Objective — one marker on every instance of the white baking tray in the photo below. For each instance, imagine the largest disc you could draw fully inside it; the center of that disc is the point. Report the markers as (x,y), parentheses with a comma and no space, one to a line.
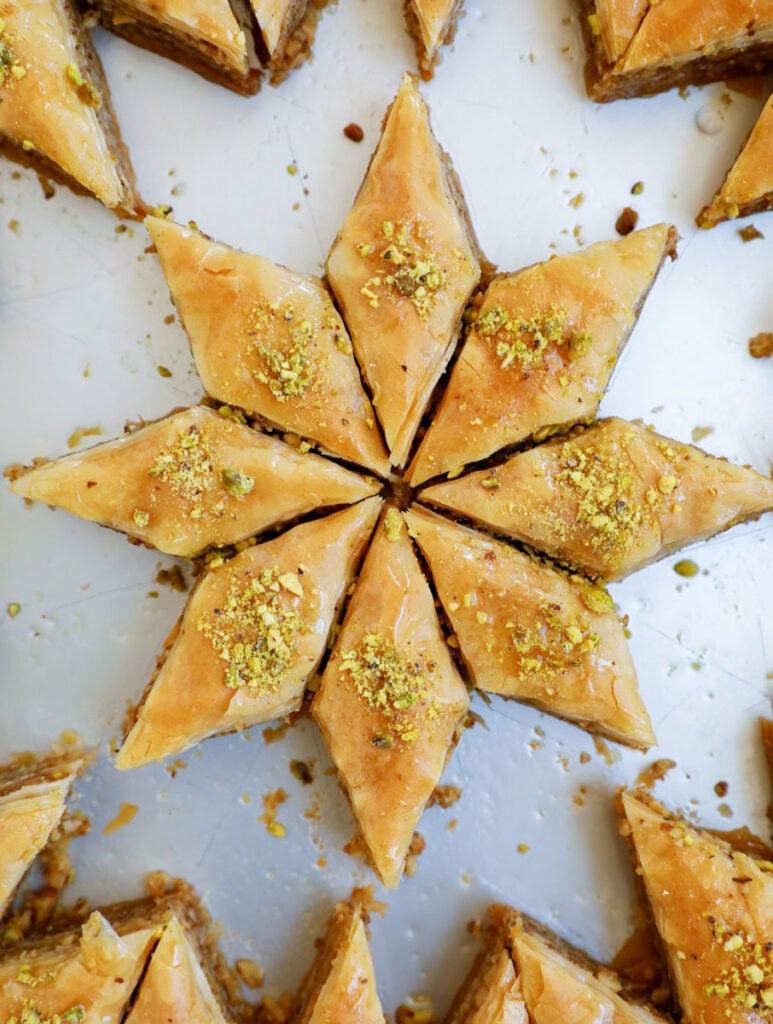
(82,332)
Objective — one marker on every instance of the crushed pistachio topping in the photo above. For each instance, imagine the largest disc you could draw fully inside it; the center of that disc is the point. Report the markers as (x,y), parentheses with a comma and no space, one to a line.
(523,340)
(237,484)
(11,70)
(256,629)
(596,599)
(187,466)
(603,483)
(287,346)
(141,518)
(408,269)
(392,684)
(86,92)
(30,1014)
(747,983)
(393,524)
(550,644)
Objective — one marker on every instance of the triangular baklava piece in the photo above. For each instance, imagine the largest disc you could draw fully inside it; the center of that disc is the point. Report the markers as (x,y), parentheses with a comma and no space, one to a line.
(287,30)
(78,974)
(179,985)
(252,633)
(33,792)
(204,35)
(270,341)
(637,48)
(390,701)
(541,350)
(403,268)
(340,988)
(433,24)
(491,992)
(526,975)
(194,480)
(609,499)
(712,906)
(748,187)
(55,110)
(528,631)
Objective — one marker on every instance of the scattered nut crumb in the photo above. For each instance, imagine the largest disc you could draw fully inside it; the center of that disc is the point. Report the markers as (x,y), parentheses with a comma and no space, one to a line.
(354,132)
(126,815)
(446,796)
(77,435)
(749,233)
(698,433)
(47,185)
(164,371)
(301,770)
(656,772)
(637,188)
(686,567)
(610,756)
(523,847)
(761,346)
(250,973)
(171,577)
(13,609)
(271,803)
(721,789)
(725,810)
(627,221)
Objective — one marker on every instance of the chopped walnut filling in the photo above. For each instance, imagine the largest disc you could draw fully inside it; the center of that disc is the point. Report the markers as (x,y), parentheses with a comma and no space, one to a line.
(408,269)
(748,982)
(391,684)
(523,340)
(256,630)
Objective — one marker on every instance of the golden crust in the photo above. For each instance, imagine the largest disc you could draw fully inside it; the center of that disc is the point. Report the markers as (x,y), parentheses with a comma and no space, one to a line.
(191,481)
(241,313)
(340,987)
(390,701)
(403,268)
(542,349)
(55,111)
(610,499)
(433,24)
(532,633)
(189,698)
(748,186)
(712,906)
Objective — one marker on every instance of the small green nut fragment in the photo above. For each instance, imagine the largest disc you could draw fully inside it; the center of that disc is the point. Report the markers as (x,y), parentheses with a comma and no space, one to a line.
(383,740)
(597,599)
(163,371)
(686,567)
(141,518)
(393,525)
(74,1015)
(237,484)
(74,75)
(13,609)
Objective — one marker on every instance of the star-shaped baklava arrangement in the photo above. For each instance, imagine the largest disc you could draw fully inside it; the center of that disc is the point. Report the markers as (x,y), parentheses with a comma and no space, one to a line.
(432,605)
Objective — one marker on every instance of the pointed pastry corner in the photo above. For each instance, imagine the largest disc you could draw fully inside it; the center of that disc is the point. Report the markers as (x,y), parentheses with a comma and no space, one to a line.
(390,701)
(252,633)
(432,23)
(341,984)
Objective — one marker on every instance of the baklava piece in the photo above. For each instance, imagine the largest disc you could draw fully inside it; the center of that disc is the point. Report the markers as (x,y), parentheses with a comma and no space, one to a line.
(403,268)
(641,47)
(432,23)
(609,499)
(526,974)
(252,633)
(194,480)
(269,341)
(55,109)
(204,35)
(153,958)
(390,702)
(287,30)
(33,795)
(340,988)
(527,631)
(748,187)
(541,350)
(712,906)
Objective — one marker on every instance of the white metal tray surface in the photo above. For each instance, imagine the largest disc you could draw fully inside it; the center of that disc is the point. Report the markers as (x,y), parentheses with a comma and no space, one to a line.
(83,332)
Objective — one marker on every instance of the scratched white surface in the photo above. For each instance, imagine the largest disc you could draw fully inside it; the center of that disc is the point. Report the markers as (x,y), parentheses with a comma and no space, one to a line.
(508,104)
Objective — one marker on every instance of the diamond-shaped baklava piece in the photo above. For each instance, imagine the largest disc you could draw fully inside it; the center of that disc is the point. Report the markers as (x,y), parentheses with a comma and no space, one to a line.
(403,268)
(528,631)
(340,988)
(433,24)
(390,701)
(194,480)
(637,48)
(609,499)
(712,906)
(270,341)
(81,974)
(55,110)
(545,982)
(252,633)
(541,349)
(748,187)
(204,35)
(33,792)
